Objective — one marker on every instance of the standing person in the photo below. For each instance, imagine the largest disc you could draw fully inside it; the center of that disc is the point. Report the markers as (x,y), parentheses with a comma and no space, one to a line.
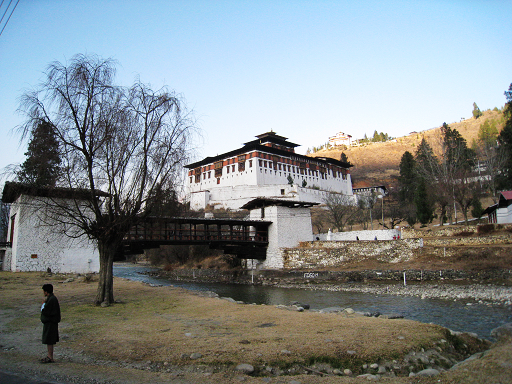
(50,317)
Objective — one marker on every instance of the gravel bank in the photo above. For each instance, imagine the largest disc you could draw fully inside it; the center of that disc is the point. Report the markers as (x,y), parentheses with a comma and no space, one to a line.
(478,293)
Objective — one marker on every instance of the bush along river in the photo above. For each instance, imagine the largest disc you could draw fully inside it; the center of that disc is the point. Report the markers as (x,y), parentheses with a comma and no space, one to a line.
(475,308)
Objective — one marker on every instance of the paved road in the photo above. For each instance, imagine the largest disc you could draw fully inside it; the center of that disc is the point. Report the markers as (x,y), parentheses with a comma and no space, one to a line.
(10,378)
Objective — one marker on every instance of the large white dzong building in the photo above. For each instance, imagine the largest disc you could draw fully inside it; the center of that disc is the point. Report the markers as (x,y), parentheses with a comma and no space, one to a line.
(267,167)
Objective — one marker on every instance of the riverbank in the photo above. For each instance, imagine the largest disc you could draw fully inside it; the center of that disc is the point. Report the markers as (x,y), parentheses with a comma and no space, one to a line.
(494,287)
(165,334)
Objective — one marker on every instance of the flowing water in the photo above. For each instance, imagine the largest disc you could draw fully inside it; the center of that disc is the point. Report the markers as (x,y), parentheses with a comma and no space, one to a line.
(455,315)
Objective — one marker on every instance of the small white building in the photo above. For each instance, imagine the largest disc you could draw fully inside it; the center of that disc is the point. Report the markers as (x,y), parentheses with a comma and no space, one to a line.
(501,212)
(267,167)
(37,244)
(340,139)
(291,224)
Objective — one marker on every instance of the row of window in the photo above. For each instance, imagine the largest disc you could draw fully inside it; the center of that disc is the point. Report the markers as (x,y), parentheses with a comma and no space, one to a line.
(271,161)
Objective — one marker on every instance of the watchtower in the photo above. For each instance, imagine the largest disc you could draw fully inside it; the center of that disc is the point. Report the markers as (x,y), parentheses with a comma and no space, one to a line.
(291,224)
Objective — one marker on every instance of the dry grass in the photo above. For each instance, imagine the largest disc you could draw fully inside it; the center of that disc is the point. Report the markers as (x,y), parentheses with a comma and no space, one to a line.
(162,324)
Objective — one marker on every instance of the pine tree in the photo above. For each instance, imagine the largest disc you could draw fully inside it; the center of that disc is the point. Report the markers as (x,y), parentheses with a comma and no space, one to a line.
(344,158)
(505,141)
(424,207)
(42,165)
(407,178)
(476,111)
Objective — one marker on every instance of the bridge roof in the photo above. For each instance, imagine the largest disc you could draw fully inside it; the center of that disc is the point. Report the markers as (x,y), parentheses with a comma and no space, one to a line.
(261,202)
(195,220)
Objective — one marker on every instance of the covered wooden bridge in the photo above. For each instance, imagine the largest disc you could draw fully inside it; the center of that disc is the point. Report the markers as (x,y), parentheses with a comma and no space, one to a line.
(244,238)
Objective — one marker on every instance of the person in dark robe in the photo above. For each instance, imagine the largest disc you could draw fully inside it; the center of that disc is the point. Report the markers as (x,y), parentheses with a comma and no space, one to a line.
(50,317)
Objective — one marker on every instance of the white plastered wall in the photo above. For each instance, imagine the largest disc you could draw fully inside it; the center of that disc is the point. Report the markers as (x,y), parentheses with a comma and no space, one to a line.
(37,247)
(289,227)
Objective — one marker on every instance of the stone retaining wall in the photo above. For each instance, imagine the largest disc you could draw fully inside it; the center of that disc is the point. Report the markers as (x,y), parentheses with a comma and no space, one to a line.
(273,277)
(324,254)
(467,241)
(449,231)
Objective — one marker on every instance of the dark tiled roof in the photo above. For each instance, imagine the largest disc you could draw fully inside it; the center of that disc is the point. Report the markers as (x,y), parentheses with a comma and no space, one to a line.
(261,202)
(13,190)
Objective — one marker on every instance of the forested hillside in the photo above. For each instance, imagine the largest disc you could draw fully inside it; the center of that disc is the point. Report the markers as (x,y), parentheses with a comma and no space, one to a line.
(378,163)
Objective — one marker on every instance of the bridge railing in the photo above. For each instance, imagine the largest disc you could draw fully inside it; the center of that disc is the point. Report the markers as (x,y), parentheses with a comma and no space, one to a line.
(201,231)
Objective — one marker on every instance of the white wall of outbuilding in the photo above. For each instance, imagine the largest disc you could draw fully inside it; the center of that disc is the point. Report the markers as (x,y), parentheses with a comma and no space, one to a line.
(37,245)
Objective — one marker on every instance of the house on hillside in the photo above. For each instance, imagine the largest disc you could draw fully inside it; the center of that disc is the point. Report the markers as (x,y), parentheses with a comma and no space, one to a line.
(36,242)
(267,167)
(340,139)
(501,212)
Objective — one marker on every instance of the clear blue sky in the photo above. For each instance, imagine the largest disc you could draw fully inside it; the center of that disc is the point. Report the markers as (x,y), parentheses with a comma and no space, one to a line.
(305,69)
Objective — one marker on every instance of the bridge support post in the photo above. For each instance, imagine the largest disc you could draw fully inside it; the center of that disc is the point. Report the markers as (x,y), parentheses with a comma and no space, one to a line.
(291,224)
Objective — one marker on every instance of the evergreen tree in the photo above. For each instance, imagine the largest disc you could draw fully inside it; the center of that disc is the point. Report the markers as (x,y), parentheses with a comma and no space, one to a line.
(4,220)
(426,162)
(477,210)
(505,141)
(42,165)
(476,111)
(344,158)
(457,154)
(487,133)
(424,206)
(407,178)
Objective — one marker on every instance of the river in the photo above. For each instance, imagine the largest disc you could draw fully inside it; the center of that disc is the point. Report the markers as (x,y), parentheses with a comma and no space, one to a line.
(455,315)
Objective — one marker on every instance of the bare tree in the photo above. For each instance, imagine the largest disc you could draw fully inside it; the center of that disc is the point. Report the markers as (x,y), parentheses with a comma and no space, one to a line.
(491,167)
(341,208)
(365,204)
(128,143)
(395,210)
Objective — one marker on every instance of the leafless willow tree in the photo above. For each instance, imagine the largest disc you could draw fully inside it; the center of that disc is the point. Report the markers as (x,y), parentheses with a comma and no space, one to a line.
(127,143)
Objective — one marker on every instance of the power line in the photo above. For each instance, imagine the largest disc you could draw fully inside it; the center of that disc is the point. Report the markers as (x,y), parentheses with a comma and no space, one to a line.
(9,18)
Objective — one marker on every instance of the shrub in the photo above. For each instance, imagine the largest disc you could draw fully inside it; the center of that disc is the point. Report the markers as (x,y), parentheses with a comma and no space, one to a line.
(485,228)
(463,234)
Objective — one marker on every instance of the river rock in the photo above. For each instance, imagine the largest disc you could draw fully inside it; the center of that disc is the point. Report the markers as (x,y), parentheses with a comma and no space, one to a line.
(231,300)
(428,372)
(392,316)
(503,332)
(331,310)
(245,368)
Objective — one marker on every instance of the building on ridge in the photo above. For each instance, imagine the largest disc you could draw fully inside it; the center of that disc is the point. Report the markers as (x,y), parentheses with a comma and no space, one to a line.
(266,167)
(340,139)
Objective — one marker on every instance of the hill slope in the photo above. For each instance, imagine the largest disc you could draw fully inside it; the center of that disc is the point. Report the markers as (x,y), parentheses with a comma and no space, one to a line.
(378,163)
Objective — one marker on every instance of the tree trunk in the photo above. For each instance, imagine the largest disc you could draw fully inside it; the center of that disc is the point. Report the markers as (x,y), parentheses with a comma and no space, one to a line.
(107,250)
